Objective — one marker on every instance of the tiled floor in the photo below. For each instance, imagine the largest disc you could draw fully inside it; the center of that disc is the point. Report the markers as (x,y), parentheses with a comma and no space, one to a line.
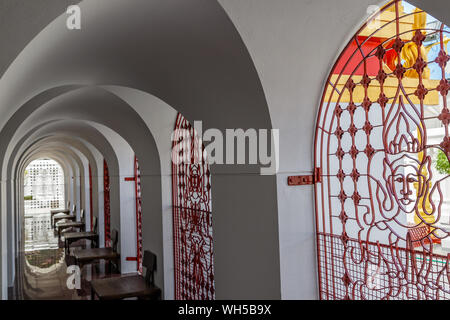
(42,269)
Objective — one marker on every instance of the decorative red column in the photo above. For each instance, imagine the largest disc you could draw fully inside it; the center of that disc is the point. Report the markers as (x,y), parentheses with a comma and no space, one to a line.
(107,206)
(90,197)
(139,247)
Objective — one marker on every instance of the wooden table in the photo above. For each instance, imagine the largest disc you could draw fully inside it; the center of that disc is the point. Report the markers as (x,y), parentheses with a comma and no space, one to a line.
(53,212)
(71,237)
(124,287)
(67,225)
(88,256)
(64,217)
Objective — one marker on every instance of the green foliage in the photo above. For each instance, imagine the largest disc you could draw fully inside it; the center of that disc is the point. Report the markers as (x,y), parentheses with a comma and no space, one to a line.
(28,198)
(442,165)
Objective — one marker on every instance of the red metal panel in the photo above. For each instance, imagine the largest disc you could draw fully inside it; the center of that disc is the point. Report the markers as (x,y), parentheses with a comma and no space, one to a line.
(131,258)
(377,173)
(107,205)
(349,62)
(138,198)
(139,244)
(419,235)
(306,179)
(90,196)
(192,216)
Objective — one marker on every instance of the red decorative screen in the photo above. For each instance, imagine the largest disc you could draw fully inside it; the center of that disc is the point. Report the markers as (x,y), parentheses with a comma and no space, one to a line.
(192,216)
(107,206)
(382,144)
(90,197)
(139,247)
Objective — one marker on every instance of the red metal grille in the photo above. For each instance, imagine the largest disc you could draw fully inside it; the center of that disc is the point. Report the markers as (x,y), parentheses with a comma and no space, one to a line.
(90,197)
(375,271)
(192,216)
(419,235)
(107,206)
(139,246)
(380,207)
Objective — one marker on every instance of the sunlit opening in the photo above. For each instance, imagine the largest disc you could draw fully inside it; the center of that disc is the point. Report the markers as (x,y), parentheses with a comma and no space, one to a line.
(43,191)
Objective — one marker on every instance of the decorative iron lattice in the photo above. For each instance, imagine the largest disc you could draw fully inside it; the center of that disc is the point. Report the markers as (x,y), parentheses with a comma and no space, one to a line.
(107,205)
(139,244)
(192,216)
(381,207)
(90,198)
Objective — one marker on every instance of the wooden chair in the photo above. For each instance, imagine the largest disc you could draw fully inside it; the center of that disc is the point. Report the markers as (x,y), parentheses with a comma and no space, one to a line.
(73,224)
(88,256)
(129,286)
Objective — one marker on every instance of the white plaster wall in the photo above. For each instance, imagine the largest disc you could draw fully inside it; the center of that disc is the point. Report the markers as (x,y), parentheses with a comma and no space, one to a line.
(127,232)
(160,118)
(97,194)
(83,183)
(3,243)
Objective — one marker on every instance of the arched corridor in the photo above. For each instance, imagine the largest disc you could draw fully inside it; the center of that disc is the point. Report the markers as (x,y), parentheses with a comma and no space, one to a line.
(222,149)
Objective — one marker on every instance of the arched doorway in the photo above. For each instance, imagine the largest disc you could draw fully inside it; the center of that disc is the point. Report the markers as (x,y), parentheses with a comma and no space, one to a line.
(43,190)
(382,147)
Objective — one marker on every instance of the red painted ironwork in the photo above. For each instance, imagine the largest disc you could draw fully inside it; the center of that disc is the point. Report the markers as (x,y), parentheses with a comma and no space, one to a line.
(81,193)
(90,197)
(300,180)
(306,179)
(139,241)
(131,258)
(107,205)
(192,216)
(419,235)
(138,197)
(377,172)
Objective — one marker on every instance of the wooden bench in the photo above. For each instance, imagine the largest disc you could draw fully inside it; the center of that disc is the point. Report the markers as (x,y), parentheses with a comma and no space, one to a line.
(129,286)
(87,256)
(71,237)
(73,224)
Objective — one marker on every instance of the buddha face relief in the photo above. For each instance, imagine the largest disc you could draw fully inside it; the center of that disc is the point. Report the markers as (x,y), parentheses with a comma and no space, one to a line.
(407,180)
(402,185)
